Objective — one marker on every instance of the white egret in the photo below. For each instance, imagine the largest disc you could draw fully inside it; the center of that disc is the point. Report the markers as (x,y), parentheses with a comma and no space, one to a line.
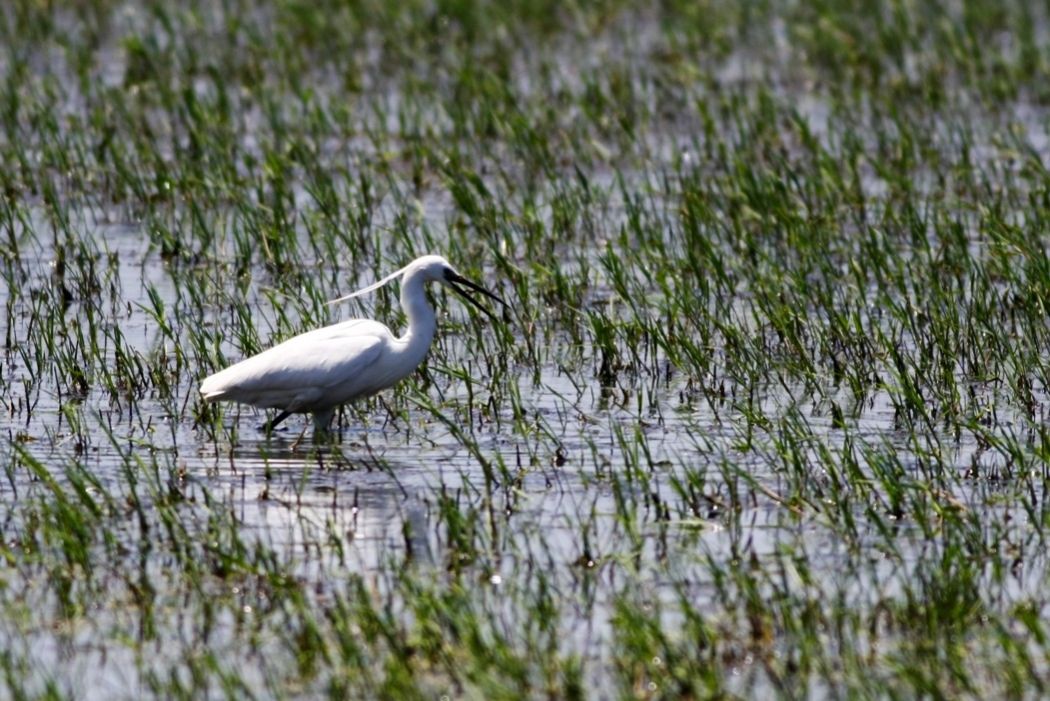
(320,370)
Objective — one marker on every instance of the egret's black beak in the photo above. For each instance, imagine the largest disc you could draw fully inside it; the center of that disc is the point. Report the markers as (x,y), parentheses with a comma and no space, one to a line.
(454,281)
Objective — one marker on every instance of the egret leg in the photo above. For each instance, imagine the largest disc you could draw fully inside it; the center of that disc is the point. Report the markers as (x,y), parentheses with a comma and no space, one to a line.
(298,440)
(322,419)
(269,426)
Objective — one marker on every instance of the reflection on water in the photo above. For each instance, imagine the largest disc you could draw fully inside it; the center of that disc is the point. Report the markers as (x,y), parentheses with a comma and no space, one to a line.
(298,498)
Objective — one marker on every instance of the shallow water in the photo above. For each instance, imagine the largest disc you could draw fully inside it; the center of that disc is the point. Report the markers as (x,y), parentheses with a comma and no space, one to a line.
(372,500)
(148,544)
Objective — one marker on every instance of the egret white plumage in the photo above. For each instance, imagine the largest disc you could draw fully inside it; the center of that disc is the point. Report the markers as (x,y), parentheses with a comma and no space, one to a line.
(320,370)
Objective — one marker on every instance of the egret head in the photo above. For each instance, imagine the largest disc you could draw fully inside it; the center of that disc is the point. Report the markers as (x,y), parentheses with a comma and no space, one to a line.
(434,269)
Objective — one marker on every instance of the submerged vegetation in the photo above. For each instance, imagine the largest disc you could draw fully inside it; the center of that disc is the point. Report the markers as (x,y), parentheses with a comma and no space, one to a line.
(767,414)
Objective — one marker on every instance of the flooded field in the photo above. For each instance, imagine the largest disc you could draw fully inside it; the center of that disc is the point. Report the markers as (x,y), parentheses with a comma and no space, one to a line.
(766,414)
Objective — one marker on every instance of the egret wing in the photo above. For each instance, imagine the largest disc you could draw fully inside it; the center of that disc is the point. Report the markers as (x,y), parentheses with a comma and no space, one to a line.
(296,373)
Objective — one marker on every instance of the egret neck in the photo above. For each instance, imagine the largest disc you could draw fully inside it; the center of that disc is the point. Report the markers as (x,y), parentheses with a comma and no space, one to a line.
(422,322)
